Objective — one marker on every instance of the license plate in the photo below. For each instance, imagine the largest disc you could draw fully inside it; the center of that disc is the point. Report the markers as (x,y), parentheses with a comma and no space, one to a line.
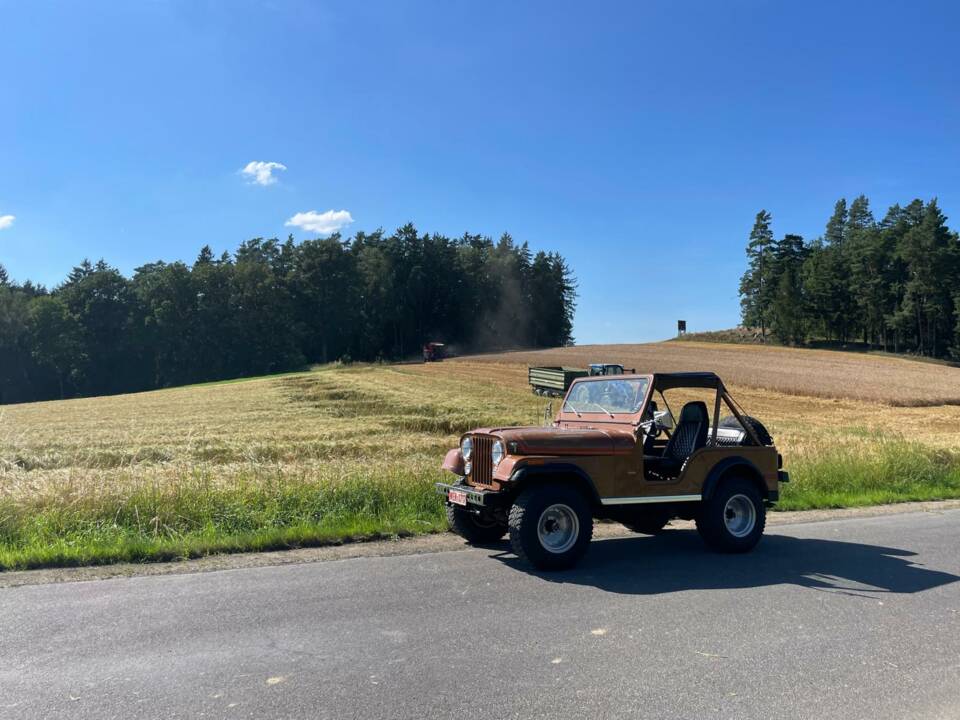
(457,497)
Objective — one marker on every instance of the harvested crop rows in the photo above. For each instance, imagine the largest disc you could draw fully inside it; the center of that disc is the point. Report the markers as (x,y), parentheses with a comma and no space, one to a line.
(814,373)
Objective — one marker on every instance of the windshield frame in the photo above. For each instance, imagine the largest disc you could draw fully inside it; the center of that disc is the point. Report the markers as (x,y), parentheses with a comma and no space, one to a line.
(567,414)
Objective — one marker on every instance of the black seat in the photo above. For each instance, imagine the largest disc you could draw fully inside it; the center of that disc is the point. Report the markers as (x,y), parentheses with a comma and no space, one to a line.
(689,436)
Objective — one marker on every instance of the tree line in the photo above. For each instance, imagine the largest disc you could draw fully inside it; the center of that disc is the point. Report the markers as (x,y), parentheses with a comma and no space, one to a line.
(273,306)
(892,284)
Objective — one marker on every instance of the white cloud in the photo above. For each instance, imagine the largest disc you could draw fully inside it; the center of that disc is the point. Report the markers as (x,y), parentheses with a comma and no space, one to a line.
(6,221)
(323,223)
(261,173)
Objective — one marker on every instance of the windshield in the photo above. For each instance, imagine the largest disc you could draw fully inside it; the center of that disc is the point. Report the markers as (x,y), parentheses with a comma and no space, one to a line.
(606,396)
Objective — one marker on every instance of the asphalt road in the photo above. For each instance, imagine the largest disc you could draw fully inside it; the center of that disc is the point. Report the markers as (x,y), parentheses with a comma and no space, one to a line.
(841,619)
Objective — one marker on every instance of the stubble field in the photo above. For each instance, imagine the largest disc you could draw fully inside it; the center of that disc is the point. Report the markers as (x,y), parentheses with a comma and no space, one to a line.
(894,381)
(351,452)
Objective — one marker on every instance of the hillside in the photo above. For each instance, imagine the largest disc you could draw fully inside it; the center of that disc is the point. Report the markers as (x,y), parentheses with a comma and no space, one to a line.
(813,373)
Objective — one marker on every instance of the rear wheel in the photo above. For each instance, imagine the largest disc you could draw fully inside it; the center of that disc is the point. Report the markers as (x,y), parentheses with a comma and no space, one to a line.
(475,529)
(550,526)
(730,421)
(732,520)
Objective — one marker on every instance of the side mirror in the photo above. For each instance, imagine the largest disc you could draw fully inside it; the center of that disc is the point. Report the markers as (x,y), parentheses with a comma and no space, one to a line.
(664,419)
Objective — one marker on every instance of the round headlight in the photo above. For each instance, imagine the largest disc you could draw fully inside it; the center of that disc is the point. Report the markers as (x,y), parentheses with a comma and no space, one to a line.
(497,453)
(466,448)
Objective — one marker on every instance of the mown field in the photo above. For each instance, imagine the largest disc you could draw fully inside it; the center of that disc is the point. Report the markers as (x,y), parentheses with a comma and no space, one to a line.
(351,452)
(814,373)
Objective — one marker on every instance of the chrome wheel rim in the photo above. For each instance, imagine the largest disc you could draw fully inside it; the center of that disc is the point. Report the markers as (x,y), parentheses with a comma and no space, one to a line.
(739,515)
(558,528)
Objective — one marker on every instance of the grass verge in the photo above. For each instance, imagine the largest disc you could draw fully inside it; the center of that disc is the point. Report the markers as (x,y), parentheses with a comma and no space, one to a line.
(195,517)
(874,473)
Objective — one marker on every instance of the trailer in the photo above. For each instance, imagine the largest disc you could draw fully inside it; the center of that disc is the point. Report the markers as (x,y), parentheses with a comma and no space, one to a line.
(553,381)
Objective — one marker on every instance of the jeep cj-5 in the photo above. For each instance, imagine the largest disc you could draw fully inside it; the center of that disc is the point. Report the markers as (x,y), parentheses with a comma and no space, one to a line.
(615,451)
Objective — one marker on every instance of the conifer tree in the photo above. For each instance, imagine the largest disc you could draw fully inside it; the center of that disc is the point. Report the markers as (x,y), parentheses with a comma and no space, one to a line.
(836,225)
(755,290)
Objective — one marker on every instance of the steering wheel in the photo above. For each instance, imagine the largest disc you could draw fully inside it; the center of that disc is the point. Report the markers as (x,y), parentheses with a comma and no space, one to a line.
(651,429)
(616,396)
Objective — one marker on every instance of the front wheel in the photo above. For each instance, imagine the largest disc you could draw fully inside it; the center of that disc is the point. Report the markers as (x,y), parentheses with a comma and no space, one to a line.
(550,526)
(475,529)
(732,520)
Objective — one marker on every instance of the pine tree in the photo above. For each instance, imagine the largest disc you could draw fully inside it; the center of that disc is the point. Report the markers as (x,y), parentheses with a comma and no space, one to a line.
(932,256)
(836,225)
(860,217)
(755,290)
(788,316)
(205,257)
(895,281)
(955,348)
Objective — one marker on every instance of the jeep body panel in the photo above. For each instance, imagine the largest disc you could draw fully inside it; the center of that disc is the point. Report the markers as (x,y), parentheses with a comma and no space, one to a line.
(568,440)
(453,462)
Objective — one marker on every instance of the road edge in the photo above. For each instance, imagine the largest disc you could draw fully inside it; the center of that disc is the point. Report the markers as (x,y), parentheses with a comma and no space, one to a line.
(418,545)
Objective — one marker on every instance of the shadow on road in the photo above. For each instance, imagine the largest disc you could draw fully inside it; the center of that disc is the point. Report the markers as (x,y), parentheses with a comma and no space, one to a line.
(677,560)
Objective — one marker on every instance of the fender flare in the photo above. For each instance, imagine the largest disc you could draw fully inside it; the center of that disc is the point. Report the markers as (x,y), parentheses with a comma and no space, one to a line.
(526,473)
(724,466)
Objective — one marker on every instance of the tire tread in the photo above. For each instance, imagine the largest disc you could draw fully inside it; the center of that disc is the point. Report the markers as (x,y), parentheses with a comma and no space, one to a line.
(710,523)
(520,521)
(461,522)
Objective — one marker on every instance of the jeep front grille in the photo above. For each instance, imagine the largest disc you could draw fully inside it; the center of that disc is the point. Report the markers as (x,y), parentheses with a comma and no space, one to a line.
(482,471)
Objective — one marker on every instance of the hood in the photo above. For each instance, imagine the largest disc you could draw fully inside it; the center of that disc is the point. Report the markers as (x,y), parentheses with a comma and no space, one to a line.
(564,441)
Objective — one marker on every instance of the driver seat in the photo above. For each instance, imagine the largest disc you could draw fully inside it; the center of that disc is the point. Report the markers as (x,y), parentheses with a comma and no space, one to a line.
(689,436)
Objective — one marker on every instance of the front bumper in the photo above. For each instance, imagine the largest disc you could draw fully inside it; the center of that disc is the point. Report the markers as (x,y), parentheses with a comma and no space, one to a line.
(475,496)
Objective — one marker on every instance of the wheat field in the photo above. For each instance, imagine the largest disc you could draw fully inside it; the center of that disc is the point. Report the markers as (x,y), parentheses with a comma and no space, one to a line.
(345,452)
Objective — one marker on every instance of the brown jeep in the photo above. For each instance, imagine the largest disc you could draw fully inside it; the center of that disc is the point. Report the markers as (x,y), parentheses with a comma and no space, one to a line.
(615,452)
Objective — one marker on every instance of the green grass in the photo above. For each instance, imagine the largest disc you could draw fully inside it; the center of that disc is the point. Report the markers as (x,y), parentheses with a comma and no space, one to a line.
(886,471)
(196,518)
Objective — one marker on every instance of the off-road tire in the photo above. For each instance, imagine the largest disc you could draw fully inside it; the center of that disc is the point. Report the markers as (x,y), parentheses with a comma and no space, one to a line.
(712,523)
(524,524)
(730,421)
(473,528)
(648,524)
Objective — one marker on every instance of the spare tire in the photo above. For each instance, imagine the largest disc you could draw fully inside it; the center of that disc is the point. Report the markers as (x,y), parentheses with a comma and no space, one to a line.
(730,421)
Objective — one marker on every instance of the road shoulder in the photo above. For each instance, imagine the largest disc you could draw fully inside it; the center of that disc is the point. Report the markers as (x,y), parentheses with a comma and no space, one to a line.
(443,542)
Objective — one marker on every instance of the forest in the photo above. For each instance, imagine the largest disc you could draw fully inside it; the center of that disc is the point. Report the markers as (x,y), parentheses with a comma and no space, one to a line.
(273,306)
(892,284)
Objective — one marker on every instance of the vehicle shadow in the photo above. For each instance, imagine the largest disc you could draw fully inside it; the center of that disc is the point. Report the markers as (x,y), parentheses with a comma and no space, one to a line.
(677,560)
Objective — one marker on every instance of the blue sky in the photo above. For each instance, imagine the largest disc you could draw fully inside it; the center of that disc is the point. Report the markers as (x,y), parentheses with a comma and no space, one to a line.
(637,138)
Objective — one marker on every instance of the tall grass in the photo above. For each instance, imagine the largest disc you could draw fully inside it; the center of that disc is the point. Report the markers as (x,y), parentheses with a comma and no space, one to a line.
(198,516)
(882,471)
